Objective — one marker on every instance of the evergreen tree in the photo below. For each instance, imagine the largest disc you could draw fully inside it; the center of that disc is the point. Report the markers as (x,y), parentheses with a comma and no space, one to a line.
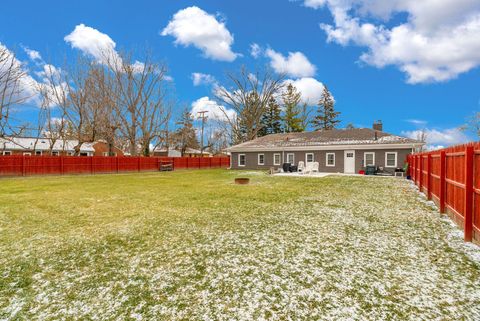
(327,116)
(291,99)
(185,136)
(271,120)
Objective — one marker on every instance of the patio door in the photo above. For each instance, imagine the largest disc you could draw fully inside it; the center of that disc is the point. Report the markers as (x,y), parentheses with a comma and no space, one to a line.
(349,162)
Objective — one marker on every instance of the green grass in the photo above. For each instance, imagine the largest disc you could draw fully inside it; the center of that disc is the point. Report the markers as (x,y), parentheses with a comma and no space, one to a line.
(191,245)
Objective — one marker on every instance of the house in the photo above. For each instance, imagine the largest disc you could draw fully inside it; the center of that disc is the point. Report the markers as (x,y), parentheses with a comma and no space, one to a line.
(34,146)
(189,152)
(337,150)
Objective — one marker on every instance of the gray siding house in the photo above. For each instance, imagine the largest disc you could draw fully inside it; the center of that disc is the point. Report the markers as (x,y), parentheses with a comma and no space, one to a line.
(336,151)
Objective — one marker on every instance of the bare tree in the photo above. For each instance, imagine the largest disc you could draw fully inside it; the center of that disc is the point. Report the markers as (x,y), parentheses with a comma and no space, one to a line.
(473,124)
(248,95)
(13,89)
(142,105)
(422,137)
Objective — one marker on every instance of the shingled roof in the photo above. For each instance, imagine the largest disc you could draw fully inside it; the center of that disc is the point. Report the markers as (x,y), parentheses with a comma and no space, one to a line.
(355,136)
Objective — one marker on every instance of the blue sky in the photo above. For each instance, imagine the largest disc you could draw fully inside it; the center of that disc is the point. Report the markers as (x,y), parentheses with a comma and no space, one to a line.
(401,63)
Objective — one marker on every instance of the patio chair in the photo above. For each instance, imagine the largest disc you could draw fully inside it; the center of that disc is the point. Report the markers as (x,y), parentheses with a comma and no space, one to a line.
(315,167)
(301,166)
(308,168)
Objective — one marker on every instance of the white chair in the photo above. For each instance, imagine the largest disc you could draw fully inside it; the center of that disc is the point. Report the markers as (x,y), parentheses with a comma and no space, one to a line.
(308,168)
(315,167)
(301,167)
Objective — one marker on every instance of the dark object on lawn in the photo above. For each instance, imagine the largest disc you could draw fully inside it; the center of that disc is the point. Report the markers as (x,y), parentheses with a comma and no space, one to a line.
(166,166)
(370,170)
(293,168)
(242,180)
(286,167)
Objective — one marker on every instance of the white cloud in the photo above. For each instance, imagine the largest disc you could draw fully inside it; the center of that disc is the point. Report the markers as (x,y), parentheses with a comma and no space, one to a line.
(295,65)
(193,26)
(255,50)
(215,111)
(417,122)
(32,54)
(315,4)
(437,41)
(92,43)
(436,137)
(199,78)
(310,88)
(26,87)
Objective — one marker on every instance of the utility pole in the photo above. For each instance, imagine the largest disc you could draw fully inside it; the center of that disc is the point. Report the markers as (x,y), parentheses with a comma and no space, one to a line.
(204,118)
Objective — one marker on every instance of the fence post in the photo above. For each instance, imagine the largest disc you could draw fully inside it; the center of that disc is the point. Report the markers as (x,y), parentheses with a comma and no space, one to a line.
(116,163)
(138,163)
(420,177)
(92,170)
(443,160)
(62,170)
(468,216)
(429,176)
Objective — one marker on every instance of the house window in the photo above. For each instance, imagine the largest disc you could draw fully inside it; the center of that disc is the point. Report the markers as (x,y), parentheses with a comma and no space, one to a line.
(38,153)
(391,159)
(309,158)
(105,154)
(7,152)
(276,159)
(330,159)
(84,154)
(261,159)
(55,153)
(242,160)
(27,154)
(291,158)
(71,153)
(368,159)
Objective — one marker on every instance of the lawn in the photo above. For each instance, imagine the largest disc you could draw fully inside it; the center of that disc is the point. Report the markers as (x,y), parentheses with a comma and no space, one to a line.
(191,245)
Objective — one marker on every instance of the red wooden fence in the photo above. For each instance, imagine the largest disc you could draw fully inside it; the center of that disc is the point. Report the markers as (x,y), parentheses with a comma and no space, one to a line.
(451,178)
(14,165)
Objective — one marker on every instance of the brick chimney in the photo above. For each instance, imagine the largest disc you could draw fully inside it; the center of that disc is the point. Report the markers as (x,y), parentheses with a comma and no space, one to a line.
(377,125)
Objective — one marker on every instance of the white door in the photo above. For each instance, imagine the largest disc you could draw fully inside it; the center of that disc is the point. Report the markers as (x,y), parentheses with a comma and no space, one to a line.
(349,163)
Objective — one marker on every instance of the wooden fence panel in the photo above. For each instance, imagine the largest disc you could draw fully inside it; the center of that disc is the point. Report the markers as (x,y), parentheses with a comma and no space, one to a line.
(18,165)
(451,177)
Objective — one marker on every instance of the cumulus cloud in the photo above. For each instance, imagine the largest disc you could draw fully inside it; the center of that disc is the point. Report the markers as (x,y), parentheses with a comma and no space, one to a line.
(32,54)
(255,50)
(310,89)
(194,27)
(437,137)
(296,64)
(92,42)
(437,41)
(215,111)
(199,78)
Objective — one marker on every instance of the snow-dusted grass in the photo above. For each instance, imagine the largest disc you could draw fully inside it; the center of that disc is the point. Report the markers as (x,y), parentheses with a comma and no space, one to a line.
(194,246)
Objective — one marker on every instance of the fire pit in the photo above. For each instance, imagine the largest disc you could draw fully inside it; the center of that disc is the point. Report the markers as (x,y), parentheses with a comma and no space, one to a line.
(242,181)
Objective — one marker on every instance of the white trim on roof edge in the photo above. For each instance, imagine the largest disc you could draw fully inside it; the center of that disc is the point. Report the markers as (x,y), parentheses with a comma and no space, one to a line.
(324,147)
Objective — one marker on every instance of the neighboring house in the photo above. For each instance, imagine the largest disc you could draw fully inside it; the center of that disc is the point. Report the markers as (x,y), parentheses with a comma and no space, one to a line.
(189,152)
(337,150)
(32,146)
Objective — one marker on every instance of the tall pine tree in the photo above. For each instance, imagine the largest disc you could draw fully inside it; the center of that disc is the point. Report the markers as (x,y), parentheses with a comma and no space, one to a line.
(292,121)
(271,120)
(185,136)
(327,117)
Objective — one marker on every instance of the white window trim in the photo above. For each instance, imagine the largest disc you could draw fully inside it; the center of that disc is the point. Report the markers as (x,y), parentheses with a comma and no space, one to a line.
(396,159)
(27,154)
(293,158)
(105,154)
(55,153)
(71,153)
(326,160)
(279,159)
(365,158)
(41,153)
(239,156)
(306,158)
(7,153)
(258,159)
